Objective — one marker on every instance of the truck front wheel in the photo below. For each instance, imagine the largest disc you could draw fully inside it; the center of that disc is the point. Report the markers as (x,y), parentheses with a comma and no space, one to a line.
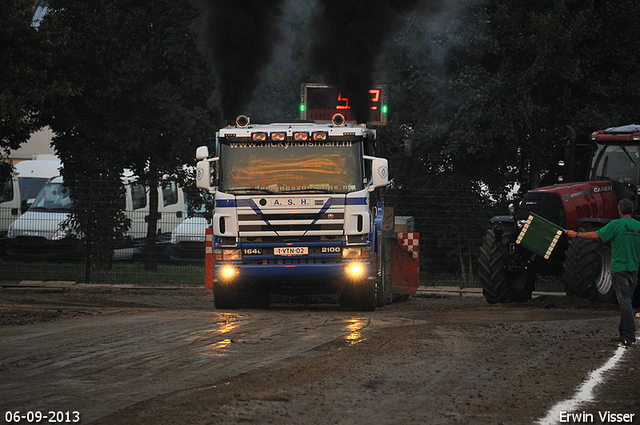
(499,283)
(225,296)
(365,296)
(587,269)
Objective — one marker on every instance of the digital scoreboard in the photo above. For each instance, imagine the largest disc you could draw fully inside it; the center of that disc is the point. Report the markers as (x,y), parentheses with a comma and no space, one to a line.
(320,103)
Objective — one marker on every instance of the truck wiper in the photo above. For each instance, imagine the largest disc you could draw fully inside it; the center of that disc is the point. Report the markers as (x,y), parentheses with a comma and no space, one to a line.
(250,189)
(311,189)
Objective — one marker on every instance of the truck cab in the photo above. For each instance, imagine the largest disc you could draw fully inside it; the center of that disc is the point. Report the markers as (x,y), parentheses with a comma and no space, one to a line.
(295,211)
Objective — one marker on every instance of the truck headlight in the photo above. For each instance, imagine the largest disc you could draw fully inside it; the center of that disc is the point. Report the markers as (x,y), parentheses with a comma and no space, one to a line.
(356,252)
(228,254)
(231,254)
(60,234)
(11,232)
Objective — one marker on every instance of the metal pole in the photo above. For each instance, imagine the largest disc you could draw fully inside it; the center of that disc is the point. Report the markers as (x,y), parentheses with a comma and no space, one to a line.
(87,269)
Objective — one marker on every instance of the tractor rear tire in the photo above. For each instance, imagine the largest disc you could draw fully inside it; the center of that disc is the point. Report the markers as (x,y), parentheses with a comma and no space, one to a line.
(587,269)
(500,285)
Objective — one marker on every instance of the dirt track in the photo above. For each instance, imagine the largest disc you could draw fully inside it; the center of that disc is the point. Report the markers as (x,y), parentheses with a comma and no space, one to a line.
(166,357)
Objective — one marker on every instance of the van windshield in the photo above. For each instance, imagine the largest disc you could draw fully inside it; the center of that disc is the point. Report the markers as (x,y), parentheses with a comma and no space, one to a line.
(6,191)
(29,188)
(53,197)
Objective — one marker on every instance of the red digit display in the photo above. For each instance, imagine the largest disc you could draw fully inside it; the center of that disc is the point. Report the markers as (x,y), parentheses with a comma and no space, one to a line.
(321,102)
(375,99)
(343,102)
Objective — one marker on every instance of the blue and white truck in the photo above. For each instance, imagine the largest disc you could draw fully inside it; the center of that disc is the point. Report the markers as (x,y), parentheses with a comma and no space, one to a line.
(298,210)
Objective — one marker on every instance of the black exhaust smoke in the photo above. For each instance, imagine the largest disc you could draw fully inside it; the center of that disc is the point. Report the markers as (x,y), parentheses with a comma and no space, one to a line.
(240,38)
(349,37)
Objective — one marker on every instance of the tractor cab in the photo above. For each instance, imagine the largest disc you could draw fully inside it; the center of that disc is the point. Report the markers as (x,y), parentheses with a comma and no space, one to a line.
(617,159)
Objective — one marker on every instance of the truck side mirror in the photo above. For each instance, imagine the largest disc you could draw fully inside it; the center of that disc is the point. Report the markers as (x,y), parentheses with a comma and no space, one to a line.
(202,153)
(379,172)
(203,169)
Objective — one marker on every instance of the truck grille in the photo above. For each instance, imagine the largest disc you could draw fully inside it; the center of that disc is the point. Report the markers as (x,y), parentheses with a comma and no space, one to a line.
(305,239)
(252,224)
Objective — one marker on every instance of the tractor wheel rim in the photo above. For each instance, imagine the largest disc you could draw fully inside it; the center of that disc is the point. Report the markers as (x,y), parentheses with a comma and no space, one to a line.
(603,282)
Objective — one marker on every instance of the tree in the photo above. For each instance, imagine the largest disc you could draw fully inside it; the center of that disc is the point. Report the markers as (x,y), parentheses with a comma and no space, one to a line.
(522,71)
(488,89)
(24,58)
(139,96)
(485,93)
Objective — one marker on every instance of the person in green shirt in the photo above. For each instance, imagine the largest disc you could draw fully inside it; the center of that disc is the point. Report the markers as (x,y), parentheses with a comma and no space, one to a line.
(624,234)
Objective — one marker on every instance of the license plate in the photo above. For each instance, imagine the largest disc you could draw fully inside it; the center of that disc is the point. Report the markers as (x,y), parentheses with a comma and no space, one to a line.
(291,250)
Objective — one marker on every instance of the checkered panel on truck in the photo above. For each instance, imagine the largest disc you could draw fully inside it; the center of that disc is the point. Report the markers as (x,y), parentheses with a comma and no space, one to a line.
(410,242)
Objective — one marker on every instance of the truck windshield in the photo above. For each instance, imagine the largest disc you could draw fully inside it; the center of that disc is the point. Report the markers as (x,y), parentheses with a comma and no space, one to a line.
(334,167)
(619,163)
(53,197)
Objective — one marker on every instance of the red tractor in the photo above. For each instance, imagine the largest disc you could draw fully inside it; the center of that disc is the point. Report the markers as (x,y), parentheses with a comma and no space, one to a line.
(508,271)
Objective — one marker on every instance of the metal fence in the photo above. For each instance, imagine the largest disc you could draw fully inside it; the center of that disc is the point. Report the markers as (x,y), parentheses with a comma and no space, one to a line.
(451,227)
(42,246)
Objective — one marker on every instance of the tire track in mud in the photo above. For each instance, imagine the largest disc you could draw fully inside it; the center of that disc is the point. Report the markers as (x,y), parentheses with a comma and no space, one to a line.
(426,361)
(98,365)
(462,367)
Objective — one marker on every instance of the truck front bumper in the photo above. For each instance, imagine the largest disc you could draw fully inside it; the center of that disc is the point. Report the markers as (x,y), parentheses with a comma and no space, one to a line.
(279,273)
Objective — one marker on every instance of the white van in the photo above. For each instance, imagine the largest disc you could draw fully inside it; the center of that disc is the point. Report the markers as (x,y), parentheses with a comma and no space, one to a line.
(18,194)
(42,232)
(188,239)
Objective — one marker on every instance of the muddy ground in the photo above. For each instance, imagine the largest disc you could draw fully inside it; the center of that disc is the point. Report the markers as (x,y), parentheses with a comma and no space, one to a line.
(166,356)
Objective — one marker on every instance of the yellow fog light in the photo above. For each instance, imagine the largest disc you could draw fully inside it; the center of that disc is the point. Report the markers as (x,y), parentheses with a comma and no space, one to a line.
(230,272)
(353,269)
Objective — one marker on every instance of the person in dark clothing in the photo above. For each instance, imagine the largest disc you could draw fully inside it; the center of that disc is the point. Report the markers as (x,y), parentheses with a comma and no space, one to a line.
(624,234)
